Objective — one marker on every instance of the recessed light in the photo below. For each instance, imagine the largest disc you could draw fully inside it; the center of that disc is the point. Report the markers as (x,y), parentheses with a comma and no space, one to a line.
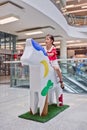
(57,2)
(75,11)
(8,19)
(33,33)
(69,6)
(83,7)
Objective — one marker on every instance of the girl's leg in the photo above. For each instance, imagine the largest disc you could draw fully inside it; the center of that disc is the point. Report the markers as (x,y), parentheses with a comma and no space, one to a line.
(58,71)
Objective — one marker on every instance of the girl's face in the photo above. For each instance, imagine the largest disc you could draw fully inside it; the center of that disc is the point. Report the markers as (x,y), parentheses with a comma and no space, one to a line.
(48,40)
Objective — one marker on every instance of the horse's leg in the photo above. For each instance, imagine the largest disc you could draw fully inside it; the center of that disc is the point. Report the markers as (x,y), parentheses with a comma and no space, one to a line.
(51,96)
(34,88)
(43,104)
(33,102)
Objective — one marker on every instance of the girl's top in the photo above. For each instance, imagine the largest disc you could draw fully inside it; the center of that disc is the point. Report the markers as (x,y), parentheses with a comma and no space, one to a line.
(53,51)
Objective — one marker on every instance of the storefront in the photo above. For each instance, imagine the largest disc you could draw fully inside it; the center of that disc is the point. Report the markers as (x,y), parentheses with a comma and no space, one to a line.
(7,50)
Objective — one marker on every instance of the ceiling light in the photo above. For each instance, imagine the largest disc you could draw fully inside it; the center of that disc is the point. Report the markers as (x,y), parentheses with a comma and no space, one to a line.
(69,6)
(58,42)
(70,41)
(83,7)
(69,0)
(8,19)
(75,6)
(75,11)
(33,33)
(63,9)
(43,44)
(78,41)
(57,2)
(79,44)
(79,0)
(73,41)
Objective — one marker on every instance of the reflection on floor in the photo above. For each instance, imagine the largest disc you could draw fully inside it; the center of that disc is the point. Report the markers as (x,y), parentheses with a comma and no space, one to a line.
(4,79)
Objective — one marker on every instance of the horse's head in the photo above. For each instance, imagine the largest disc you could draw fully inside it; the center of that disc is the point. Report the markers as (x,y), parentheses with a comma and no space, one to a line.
(33,53)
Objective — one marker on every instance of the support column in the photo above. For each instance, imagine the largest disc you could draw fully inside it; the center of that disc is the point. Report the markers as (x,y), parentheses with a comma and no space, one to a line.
(63,49)
(63,55)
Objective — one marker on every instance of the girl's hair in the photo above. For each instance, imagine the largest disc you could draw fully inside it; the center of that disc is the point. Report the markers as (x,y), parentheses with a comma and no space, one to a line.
(51,37)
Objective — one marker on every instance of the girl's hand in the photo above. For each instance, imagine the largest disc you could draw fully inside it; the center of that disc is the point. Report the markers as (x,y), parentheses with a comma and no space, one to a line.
(62,84)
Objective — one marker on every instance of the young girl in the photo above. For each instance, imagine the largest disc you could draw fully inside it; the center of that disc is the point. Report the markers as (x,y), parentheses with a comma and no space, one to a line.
(52,55)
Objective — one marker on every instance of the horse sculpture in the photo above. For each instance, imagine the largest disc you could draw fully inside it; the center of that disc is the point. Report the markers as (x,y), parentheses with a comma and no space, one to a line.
(43,79)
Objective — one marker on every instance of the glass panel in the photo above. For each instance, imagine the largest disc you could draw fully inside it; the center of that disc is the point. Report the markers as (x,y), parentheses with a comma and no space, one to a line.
(7,51)
(19,75)
(75,75)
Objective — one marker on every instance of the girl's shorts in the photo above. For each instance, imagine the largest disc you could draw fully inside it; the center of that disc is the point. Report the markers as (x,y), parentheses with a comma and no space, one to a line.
(55,64)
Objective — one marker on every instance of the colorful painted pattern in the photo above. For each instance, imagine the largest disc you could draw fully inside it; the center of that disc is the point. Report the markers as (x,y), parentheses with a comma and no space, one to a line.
(38,47)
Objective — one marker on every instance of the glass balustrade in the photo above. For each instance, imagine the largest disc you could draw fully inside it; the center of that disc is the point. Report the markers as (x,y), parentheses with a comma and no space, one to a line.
(19,75)
(74,75)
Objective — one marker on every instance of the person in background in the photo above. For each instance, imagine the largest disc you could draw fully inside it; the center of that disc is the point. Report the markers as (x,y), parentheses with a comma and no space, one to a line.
(52,55)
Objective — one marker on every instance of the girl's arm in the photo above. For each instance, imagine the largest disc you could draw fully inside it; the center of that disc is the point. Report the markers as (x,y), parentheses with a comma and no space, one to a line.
(50,54)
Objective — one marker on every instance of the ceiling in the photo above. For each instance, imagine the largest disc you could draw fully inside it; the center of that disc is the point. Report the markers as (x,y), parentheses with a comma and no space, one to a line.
(30,20)
(75,11)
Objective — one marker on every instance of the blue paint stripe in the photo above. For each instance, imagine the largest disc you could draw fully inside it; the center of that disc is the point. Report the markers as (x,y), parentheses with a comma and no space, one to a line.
(38,47)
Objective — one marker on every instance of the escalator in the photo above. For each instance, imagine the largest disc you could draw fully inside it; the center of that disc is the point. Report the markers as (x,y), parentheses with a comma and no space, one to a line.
(72,86)
(82,79)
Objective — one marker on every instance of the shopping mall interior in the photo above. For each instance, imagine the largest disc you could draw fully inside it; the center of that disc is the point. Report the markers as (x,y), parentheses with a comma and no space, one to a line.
(20,20)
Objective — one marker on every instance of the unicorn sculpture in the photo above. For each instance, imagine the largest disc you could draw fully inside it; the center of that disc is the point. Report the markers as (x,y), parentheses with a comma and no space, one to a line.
(43,79)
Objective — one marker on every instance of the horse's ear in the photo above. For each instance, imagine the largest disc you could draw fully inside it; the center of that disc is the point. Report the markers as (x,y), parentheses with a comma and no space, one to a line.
(28,42)
(36,45)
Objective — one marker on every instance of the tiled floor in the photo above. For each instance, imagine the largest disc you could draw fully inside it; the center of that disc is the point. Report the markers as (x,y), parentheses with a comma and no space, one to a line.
(15,101)
(4,79)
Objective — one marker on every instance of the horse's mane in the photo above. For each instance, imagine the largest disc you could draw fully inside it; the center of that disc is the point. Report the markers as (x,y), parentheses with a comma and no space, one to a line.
(38,47)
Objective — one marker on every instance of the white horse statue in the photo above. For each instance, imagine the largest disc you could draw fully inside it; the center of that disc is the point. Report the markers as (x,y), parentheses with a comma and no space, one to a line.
(43,79)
